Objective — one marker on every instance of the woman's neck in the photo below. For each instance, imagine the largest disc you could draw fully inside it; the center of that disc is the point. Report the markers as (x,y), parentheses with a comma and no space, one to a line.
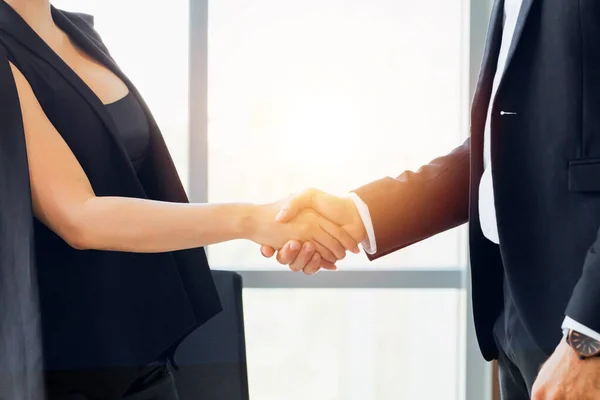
(36,13)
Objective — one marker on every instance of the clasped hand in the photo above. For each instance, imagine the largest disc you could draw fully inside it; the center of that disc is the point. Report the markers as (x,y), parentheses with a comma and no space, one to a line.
(320,229)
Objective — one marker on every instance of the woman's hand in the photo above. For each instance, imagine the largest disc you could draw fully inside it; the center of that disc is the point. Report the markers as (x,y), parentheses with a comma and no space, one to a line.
(330,240)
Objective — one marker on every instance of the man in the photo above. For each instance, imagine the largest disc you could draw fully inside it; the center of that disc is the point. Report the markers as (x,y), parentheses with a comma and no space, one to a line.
(528,183)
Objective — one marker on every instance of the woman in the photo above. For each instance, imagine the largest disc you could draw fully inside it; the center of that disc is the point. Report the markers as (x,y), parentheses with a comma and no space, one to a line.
(121,272)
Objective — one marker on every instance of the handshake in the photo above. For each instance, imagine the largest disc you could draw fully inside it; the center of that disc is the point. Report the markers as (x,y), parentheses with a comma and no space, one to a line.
(310,230)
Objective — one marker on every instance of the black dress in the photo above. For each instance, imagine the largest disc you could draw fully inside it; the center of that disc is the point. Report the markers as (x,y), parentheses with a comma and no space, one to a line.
(105,315)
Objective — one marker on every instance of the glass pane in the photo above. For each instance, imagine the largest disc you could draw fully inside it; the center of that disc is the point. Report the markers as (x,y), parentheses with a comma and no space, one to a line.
(353,344)
(332,94)
(129,30)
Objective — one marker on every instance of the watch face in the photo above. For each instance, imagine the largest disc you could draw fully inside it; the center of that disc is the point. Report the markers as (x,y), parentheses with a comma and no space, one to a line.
(584,345)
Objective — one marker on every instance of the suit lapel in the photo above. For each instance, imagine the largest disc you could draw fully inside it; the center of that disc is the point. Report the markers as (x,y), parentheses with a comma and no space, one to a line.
(488,66)
(493,39)
(521,22)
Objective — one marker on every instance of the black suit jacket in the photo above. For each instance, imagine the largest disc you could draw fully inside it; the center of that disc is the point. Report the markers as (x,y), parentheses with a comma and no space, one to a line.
(546,173)
(101,310)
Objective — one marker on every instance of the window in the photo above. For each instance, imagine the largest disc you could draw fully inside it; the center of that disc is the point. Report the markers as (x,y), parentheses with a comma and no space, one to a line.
(332,94)
(348,344)
(335,94)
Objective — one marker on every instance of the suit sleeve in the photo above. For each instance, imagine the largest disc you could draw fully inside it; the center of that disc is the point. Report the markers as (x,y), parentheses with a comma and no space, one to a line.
(584,305)
(20,337)
(418,205)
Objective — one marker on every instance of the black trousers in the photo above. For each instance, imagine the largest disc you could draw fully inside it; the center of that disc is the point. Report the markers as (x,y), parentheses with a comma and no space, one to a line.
(520,358)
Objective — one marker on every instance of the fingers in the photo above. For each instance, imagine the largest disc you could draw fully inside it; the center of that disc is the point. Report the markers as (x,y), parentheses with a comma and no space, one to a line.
(267,251)
(304,258)
(324,251)
(295,204)
(327,265)
(316,264)
(289,252)
(313,265)
(300,257)
(339,234)
(322,237)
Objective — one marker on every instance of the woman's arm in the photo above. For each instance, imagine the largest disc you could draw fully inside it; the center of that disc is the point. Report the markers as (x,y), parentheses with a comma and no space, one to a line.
(64,200)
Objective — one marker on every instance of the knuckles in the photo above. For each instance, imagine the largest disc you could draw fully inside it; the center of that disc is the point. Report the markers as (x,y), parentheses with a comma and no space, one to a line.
(538,395)
(542,393)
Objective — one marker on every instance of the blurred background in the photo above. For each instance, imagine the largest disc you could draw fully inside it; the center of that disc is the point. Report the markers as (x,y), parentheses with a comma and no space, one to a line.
(259,99)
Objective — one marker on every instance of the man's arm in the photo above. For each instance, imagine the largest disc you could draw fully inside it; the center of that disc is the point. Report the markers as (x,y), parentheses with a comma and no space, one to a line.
(418,205)
(584,306)
(403,211)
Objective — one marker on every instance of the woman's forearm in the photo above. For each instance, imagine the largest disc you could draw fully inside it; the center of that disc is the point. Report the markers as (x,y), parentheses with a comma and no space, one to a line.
(136,225)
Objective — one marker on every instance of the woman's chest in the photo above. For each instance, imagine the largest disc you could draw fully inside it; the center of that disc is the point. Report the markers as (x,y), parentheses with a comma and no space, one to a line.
(100,80)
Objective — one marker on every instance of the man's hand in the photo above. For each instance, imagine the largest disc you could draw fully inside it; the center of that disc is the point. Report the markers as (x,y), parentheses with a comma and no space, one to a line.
(565,377)
(339,210)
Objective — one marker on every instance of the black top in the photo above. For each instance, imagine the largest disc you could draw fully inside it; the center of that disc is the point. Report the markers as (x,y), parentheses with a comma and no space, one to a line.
(132,127)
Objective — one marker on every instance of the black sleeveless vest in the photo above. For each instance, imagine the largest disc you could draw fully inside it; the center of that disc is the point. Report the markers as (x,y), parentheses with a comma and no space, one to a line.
(103,309)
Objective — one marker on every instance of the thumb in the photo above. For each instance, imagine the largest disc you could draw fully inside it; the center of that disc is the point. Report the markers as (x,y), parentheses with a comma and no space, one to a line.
(267,251)
(294,205)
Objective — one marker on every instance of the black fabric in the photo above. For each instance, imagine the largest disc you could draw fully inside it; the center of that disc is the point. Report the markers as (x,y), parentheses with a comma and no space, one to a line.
(153,373)
(132,127)
(101,310)
(511,383)
(20,339)
(211,362)
(519,361)
(156,384)
(161,389)
(519,356)
(59,384)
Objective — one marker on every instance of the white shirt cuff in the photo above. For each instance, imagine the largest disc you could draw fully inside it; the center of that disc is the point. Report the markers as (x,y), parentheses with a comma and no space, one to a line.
(570,323)
(369,244)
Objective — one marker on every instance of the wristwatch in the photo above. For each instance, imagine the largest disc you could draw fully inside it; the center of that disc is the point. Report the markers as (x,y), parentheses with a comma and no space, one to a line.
(584,346)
